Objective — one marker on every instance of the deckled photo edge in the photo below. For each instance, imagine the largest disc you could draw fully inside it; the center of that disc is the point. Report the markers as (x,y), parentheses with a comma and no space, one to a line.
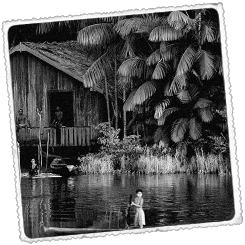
(234,162)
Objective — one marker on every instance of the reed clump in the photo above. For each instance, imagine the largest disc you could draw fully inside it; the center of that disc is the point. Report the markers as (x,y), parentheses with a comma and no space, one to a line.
(150,164)
(92,164)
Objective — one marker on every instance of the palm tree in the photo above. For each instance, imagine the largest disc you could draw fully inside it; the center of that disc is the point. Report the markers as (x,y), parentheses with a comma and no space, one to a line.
(180,65)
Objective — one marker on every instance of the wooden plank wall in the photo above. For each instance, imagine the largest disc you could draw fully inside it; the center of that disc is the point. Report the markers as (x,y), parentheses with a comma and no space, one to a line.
(32,79)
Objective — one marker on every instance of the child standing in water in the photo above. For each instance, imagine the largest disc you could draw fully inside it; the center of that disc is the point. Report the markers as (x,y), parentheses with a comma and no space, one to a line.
(139,219)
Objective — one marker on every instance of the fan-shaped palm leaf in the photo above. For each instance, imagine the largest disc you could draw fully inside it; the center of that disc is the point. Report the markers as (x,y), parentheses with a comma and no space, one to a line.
(184,96)
(165,114)
(202,103)
(139,96)
(96,35)
(178,129)
(160,70)
(165,33)
(178,20)
(159,109)
(187,60)
(206,64)
(205,114)
(195,129)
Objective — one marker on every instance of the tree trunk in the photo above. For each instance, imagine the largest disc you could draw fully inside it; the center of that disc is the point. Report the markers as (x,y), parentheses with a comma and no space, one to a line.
(124,114)
(116,101)
(107,101)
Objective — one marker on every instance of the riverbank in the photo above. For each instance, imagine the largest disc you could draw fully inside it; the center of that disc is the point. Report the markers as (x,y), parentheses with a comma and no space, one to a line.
(150,164)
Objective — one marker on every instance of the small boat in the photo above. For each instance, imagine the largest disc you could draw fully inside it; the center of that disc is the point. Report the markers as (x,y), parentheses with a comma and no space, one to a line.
(58,166)
(41,175)
(54,231)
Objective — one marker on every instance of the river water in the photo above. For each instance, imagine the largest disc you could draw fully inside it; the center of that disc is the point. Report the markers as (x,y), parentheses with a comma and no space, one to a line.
(99,201)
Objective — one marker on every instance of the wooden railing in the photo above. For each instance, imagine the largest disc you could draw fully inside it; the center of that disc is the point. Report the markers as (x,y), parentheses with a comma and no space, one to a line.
(65,136)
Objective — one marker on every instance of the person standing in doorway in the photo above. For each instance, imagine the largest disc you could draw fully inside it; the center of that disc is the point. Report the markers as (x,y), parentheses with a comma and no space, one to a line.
(58,118)
(58,123)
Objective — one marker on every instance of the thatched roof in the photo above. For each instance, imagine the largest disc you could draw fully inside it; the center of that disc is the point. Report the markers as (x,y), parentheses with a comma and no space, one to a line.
(69,57)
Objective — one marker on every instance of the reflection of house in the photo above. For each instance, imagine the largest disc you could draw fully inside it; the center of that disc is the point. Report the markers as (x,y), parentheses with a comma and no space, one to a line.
(47,75)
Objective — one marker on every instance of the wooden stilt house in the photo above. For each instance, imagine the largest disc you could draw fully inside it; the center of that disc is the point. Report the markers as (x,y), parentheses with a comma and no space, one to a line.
(47,75)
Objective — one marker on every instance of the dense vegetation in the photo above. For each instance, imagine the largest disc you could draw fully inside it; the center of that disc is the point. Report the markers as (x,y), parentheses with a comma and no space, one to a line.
(162,77)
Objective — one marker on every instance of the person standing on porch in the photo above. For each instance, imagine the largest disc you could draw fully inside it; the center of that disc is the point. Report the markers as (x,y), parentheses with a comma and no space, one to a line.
(22,121)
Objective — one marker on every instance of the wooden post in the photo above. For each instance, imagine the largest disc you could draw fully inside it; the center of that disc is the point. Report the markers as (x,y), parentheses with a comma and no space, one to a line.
(47,150)
(39,112)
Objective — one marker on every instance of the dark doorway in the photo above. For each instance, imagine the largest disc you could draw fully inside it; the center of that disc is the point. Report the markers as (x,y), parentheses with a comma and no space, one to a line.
(65,101)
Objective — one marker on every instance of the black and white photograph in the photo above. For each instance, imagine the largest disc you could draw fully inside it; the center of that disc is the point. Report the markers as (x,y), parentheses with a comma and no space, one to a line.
(121,123)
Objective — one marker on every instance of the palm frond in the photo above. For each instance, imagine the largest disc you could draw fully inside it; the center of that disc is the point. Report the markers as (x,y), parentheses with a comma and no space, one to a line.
(129,105)
(124,83)
(165,33)
(202,103)
(160,70)
(127,50)
(195,129)
(154,58)
(165,114)
(206,64)
(207,34)
(205,114)
(45,27)
(184,96)
(126,26)
(133,67)
(96,71)
(194,91)
(144,92)
(179,82)
(178,129)
(166,91)
(187,60)
(149,23)
(218,64)
(178,19)
(159,109)
(96,35)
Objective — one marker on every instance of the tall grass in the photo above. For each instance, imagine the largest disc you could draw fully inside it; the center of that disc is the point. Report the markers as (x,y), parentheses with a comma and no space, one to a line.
(96,165)
(151,164)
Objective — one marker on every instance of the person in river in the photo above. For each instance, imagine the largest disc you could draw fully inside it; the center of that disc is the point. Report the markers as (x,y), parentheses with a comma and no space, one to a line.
(34,168)
(139,219)
(22,121)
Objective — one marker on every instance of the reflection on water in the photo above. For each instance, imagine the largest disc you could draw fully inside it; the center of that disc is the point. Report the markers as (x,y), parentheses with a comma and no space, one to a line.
(100,200)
